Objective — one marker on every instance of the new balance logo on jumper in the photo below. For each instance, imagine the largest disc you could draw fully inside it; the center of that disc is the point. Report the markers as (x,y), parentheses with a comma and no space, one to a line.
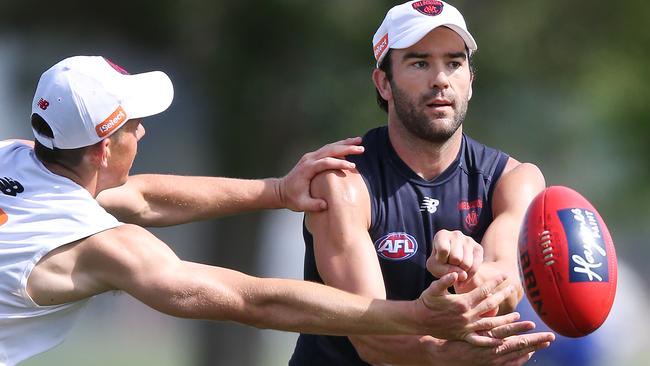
(10,187)
(429,204)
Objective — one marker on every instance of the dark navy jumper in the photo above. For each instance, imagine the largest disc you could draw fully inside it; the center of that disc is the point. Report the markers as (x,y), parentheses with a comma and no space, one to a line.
(407,211)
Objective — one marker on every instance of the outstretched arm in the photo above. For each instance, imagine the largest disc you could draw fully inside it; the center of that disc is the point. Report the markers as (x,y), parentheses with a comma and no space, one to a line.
(163,200)
(131,259)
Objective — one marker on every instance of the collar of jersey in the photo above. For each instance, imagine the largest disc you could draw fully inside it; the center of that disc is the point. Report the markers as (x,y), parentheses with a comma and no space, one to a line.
(403,169)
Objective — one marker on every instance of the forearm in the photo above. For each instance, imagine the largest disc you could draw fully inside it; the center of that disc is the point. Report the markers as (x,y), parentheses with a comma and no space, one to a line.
(204,292)
(174,200)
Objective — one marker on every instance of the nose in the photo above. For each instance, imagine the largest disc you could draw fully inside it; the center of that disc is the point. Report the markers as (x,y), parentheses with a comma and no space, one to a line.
(440,80)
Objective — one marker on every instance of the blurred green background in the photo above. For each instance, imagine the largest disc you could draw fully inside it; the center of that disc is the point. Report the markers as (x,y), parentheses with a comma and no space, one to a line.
(258,83)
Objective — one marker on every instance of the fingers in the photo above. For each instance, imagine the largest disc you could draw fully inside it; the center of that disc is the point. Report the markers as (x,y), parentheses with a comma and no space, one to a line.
(490,305)
(313,204)
(482,341)
(512,329)
(441,247)
(525,343)
(329,163)
(454,251)
(349,146)
(439,287)
(477,260)
(486,291)
(500,326)
(441,269)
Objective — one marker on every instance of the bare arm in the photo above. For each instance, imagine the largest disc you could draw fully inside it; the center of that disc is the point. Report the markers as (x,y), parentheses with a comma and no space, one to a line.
(346,258)
(519,184)
(163,200)
(131,259)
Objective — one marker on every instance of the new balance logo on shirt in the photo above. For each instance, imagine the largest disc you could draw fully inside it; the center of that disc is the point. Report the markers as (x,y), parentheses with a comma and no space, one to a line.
(10,187)
(429,204)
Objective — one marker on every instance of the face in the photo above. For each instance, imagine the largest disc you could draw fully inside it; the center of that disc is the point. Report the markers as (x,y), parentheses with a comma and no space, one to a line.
(431,86)
(124,147)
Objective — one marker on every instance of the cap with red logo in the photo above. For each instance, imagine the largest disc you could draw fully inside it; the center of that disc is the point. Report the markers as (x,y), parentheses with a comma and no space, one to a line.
(84,99)
(408,23)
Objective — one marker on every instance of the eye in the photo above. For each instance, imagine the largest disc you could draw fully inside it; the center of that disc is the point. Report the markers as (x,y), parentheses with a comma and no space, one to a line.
(420,64)
(455,65)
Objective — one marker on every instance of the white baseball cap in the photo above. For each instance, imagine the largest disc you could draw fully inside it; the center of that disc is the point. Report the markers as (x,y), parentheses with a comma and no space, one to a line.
(84,99)
(408,23)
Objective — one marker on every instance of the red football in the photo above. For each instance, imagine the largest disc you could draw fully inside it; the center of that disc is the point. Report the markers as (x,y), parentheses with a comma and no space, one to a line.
(567,262)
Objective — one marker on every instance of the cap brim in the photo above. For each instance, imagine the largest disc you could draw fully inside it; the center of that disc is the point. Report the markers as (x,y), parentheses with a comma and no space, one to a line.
(147,94)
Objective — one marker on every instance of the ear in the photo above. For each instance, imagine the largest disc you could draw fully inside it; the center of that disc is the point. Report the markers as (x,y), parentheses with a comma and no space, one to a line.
(382,84)
(101,152)
(471,82)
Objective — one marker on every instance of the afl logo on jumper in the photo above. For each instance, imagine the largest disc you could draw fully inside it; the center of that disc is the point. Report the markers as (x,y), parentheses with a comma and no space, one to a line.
(396,246)
(429,7)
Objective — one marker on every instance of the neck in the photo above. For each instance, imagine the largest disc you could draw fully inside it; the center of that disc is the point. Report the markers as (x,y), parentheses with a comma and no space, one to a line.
(427,159)
(84,177)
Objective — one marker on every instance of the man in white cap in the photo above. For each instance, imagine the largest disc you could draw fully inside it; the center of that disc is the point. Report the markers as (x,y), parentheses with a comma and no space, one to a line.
(425,200)
(61,242)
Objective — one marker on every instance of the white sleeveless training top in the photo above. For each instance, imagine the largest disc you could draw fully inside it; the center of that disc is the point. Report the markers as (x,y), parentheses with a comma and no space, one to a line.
(39,211)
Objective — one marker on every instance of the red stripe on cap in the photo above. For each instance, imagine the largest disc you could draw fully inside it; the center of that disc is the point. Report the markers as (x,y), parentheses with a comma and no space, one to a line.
(381,46)
(117,67)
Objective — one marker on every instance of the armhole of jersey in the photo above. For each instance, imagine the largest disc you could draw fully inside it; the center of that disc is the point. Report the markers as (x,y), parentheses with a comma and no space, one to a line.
(37,258)
(374,208)
(25,276)
(498,171)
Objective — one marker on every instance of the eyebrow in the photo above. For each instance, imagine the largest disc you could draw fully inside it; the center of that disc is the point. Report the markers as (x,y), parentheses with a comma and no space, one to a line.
(459,54)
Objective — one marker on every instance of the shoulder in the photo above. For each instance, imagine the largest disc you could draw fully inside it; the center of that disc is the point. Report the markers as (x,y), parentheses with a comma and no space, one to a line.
(348,200)
(124,241)
(525,172)
(121,258)
(123,249)
(343,186)
(124,256)
(28,143)
(518,185)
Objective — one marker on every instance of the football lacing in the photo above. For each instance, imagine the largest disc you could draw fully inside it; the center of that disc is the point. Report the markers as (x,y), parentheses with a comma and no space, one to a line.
(547,247)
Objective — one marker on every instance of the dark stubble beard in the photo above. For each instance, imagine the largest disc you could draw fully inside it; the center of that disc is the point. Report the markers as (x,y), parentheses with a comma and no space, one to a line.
(413,117)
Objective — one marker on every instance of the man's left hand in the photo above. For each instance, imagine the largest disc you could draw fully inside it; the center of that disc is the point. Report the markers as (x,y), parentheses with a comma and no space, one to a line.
(293,189)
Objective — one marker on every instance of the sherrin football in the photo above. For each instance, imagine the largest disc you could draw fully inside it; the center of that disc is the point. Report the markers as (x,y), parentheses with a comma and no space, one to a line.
(567,262)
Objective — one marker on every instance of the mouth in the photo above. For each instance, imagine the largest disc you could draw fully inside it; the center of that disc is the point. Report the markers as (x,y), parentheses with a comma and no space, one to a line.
(439,104)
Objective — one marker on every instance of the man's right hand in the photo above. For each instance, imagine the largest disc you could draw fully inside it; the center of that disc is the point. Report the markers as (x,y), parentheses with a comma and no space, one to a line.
(516,349)
(458,317)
